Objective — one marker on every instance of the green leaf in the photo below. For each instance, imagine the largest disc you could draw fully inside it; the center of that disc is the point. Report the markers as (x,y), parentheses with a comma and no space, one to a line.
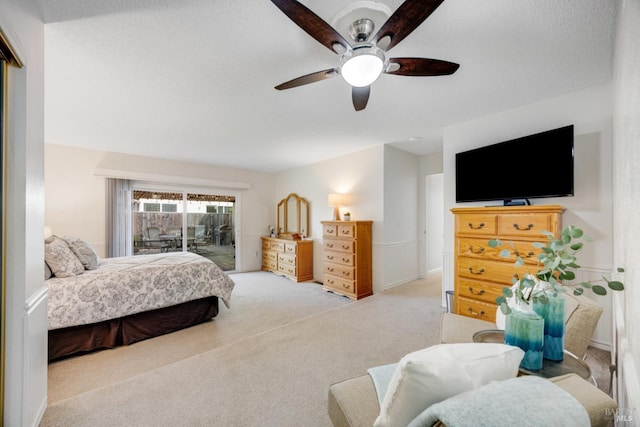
(616,285)
(519,262)
(500,300)
(505,309)
(599,290)
(578,291)
(507,292)
(505,253)
(585,285)
(577,246)
(494,243)
(620,270)
(568,275)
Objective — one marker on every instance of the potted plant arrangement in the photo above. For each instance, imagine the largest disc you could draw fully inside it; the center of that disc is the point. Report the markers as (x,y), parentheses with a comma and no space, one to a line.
(540,295)
(347,216)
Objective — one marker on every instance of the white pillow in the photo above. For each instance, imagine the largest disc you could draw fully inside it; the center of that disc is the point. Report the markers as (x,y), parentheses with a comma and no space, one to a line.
(84,251)
(436,373)
(61,259)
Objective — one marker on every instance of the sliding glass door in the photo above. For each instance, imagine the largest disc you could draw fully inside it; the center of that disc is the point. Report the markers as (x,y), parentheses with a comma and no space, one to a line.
(169,221)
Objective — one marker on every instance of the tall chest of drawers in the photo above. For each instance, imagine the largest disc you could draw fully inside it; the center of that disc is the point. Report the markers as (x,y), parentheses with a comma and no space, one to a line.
(346,260)
(480,272)
(290,258)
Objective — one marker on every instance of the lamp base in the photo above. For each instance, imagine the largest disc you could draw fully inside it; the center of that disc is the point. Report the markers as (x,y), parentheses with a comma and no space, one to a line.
(336,214)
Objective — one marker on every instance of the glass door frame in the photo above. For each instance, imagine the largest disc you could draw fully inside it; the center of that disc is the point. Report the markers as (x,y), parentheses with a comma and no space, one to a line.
(185,189)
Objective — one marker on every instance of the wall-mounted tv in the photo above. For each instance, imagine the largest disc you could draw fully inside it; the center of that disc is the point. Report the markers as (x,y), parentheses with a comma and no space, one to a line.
(508,170)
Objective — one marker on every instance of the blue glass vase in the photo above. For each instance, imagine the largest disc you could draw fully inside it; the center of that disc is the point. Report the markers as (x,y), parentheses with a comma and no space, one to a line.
(524,328)
(553,315)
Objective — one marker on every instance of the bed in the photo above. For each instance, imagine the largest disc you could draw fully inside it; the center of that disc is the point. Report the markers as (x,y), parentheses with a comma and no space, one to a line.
(120,301)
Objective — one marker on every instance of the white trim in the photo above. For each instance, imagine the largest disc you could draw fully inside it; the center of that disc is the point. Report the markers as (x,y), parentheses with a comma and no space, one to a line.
(35,299)
(170,179)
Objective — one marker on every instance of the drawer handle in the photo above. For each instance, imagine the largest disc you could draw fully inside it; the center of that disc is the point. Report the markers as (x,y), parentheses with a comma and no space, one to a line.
(330,269)
(330,245)
(470,310)
(476,251)
(329,231)
(345,286)
(528,254)
(479,272)
(330,257)
(527,228)
(346,231)
(330,281)
(345,260)
(480,226)
(346,247)
(346,273)
(480,292)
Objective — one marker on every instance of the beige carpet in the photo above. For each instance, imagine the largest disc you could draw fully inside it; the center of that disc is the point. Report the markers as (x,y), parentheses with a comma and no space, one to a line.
(267,361)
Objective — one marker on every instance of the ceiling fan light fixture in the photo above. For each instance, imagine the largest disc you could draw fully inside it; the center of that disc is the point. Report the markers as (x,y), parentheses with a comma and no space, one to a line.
(362,66)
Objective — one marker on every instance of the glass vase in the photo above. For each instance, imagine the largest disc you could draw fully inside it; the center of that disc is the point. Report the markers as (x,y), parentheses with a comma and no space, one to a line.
(553,315)
(524,328)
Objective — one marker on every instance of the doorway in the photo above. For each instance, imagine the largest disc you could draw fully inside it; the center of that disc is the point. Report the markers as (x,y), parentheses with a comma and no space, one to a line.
(434,197)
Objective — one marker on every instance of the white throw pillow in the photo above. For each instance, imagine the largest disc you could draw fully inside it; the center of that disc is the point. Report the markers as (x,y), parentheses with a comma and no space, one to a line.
(84,251)
(436,373)
(61,259)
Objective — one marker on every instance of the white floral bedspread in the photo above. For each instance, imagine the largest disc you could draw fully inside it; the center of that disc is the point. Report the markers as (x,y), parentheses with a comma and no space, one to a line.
(128,285)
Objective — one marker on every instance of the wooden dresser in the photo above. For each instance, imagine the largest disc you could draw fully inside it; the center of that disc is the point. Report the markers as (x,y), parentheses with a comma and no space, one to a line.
(289,258)
(480,272)
(346,260)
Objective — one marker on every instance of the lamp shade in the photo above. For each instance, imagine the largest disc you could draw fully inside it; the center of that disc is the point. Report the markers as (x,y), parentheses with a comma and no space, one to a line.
(337,199)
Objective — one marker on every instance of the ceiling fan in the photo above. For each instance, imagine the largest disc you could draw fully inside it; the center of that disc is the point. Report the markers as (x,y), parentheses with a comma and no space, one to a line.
(362,61)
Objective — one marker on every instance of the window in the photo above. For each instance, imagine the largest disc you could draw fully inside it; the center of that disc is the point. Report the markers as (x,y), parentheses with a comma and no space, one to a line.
(168,221)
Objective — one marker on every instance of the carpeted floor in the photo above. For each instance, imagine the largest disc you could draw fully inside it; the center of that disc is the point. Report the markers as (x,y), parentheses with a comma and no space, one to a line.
(266,361)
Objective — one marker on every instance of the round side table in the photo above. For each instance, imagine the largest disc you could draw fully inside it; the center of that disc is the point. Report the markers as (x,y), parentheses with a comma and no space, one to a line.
(570,364)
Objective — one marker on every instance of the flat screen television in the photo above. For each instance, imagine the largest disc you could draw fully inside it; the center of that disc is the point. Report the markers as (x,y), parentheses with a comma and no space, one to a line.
(507,170)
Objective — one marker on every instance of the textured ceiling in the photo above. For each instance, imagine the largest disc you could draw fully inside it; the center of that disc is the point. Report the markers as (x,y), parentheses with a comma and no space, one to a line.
(194,80)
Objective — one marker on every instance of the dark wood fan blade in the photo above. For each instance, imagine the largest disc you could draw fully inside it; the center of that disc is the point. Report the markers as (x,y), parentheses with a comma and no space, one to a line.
(311,23)
(309,78)
(360,97)
(405,19)
(421,67)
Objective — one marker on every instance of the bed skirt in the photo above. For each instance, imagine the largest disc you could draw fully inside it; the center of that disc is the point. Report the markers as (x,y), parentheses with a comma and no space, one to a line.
(130,329)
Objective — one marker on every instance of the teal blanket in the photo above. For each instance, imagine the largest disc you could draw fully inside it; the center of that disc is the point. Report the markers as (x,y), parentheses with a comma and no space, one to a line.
(523,401)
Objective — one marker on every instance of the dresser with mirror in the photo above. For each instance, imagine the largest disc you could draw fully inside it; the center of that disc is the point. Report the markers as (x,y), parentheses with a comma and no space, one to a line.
(287,252)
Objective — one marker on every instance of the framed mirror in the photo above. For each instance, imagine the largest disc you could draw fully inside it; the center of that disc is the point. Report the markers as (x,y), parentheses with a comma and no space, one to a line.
(293,217)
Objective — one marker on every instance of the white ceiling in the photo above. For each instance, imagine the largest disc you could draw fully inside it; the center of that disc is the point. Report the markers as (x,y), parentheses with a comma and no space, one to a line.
(193,80)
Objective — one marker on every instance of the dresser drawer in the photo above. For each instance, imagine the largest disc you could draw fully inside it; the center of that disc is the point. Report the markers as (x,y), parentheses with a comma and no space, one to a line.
(477,309)
(482,291)
(494,271)
(341,271)
(269,264)
(289,269)
(477,224)
(286,259)
(329,230)
(338,245)
(277,246)
(340,258)
(270,255)
(347,230)
(479,248)
(338,284)
(524,225)
(290,248)
(266,244)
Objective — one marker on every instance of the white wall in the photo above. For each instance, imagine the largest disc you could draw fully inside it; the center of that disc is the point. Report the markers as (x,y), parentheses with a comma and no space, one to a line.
(590,111)
(25,388)
(75,196)
(626,194)
(430,164)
